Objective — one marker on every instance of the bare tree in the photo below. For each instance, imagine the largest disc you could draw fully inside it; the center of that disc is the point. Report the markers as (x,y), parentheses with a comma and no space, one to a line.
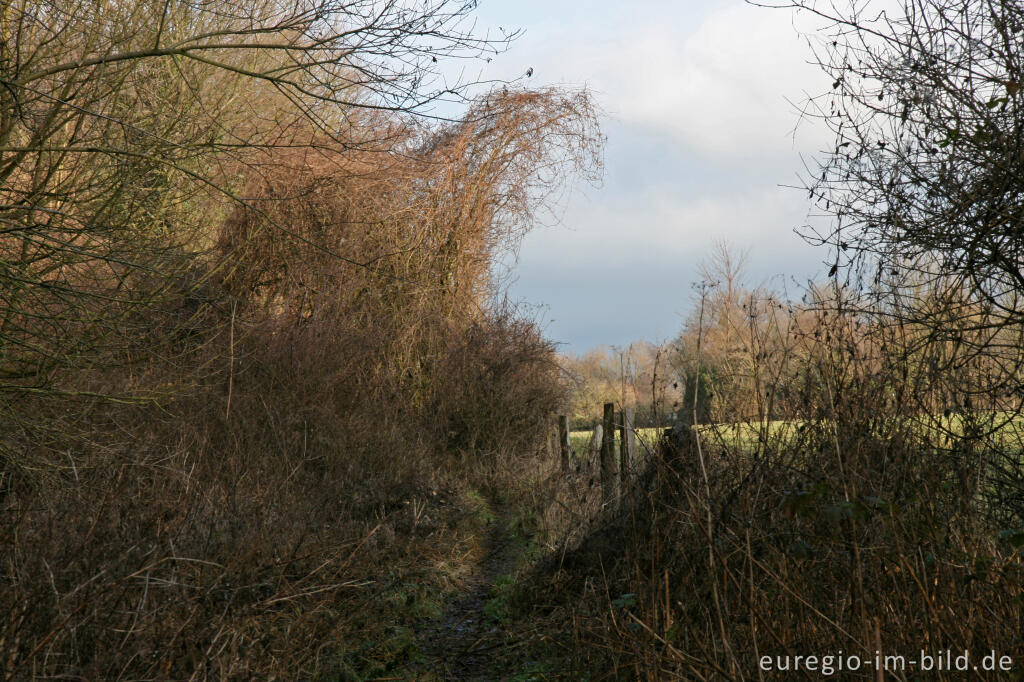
(924,183)
(125,129)
(923,190)
(926,173)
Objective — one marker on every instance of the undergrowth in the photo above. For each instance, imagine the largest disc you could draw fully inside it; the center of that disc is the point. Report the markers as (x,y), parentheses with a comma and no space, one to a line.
(277,486)
(856,531)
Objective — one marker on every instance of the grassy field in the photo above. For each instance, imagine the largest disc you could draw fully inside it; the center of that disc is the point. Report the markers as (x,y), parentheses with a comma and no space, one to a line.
(580,440)
(1005,429)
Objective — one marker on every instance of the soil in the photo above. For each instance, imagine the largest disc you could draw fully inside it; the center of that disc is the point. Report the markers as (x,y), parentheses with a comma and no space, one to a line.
(465,642)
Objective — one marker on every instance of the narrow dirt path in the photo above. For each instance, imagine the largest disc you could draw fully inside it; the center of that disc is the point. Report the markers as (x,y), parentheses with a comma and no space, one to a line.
(463,643)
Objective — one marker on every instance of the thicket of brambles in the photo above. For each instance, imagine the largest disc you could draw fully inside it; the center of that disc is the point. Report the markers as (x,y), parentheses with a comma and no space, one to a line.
(854,484)
(855,481)
(248,312)
(247,307)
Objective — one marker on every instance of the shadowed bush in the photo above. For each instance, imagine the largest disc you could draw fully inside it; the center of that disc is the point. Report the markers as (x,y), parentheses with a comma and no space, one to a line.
(870,522)
(242,509)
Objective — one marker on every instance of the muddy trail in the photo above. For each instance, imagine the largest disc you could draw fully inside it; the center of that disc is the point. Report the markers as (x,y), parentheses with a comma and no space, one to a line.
(467,642)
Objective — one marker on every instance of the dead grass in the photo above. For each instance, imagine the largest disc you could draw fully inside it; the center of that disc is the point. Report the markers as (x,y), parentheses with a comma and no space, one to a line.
(855,532)
(277,488)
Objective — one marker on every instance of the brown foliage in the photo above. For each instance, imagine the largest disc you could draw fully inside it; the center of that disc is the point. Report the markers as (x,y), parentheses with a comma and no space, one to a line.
(338,355)
(871,523)
(637,377)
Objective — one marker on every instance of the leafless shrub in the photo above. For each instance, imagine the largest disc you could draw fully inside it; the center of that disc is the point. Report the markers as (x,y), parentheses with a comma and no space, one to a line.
(236,523)
(866,521)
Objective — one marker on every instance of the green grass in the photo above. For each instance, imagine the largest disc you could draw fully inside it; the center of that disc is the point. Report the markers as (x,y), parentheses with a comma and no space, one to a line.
(748,436)
(580,440)
(414,600)
(497,607)
(479,506)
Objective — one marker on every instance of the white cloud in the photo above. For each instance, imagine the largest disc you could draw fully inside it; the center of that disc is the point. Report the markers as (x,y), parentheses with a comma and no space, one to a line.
(699,146)
(718,85)
(660,228)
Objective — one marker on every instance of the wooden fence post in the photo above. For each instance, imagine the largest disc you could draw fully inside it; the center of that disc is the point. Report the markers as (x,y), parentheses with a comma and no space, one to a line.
(608,455)
(594,448)
(627,449)
(563,440)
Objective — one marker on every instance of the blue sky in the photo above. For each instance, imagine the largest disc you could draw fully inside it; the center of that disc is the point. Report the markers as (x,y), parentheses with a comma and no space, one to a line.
(700,138)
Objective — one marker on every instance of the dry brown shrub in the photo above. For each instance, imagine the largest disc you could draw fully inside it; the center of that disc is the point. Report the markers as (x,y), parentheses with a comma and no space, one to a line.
(243,511)
(871,522)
